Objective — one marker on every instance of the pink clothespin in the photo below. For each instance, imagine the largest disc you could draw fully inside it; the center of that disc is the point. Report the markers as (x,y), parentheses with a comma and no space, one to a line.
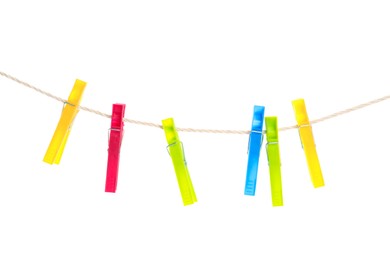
(114,147)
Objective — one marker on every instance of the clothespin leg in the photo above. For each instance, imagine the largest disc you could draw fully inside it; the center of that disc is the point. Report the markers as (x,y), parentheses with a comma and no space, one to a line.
(193,195)
(276,186)
(58,157)
(313,163)
(183,178)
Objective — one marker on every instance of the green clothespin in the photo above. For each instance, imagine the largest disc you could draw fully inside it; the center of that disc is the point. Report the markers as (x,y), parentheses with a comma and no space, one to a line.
(271,126)
(176,151)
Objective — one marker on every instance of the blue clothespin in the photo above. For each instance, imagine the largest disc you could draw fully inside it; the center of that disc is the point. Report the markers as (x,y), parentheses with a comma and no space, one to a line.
(255,141)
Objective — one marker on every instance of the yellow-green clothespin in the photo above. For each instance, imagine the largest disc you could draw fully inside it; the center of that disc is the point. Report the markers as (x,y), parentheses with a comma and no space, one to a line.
(61,134)
(271,126)
(176,150)
(307,140)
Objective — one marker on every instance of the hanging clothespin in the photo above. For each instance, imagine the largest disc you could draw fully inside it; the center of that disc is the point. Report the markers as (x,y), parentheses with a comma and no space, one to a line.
(176,151)
(255,142)
(307,140)
(61,134)
(271,126)
(114,146)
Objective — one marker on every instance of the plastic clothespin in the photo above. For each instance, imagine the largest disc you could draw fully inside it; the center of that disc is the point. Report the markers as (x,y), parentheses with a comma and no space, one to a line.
(114,146)
(271,126)
(255,142)
(176,151)
(307,140)
(61,134)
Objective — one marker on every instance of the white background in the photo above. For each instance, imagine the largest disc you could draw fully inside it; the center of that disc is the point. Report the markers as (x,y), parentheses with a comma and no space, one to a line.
(204,63)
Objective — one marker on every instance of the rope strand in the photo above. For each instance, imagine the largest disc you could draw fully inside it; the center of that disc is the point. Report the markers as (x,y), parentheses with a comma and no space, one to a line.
(194,130)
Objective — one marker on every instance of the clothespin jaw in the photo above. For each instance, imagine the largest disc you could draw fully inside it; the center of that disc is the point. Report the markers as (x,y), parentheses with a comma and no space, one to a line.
(255,142)
(58,142)
(176,151)
(308,144)
(114,146)
(271,125)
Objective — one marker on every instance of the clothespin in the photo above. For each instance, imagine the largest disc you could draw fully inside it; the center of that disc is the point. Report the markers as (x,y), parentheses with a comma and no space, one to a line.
(255,142)
(114,146)
(307,140)
(176,151)
(271,126)
(61,134)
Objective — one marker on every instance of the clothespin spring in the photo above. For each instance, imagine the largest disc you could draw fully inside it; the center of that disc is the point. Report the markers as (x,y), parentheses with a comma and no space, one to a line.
(299,132)
(249,141)
(182,147)
(112,129)
(270,143)
(63,107)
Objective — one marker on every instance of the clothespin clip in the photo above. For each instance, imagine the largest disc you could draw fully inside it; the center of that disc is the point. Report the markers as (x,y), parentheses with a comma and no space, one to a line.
(307,140)
(176,151)
(114,146)
(273,154)
(61,134)
(255,142)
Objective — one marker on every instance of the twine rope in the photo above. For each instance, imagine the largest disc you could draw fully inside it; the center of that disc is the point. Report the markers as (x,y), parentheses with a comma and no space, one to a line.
(194,130)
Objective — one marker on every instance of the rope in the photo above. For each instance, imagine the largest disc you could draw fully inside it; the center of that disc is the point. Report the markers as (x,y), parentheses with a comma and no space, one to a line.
(195,130)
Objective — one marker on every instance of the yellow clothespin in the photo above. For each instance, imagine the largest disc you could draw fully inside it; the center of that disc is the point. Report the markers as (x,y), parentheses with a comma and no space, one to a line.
(176,150)
(307,140)
(61,134)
